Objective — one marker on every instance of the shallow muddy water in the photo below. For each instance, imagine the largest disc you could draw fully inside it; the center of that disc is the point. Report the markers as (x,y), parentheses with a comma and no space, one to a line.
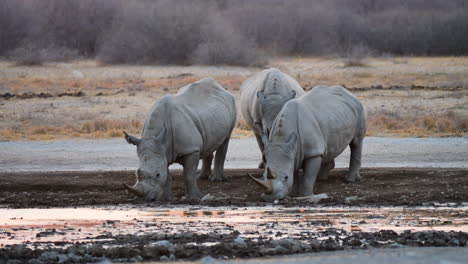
(69,225)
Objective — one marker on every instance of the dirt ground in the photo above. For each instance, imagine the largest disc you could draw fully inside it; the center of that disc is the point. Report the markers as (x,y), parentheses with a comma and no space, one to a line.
(192,239)
(379,186)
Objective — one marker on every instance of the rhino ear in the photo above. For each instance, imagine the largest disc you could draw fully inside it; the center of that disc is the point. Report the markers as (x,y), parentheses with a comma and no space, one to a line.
(131,139)
(290,96)
(291,142)
(261,96)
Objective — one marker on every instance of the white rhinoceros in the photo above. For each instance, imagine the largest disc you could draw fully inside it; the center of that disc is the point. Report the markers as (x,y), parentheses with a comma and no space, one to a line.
(309,133)
(262,97)
(184,128)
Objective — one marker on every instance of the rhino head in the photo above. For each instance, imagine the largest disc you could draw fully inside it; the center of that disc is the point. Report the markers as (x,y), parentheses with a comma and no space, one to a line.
(270,106)
(279,174)
(152,175)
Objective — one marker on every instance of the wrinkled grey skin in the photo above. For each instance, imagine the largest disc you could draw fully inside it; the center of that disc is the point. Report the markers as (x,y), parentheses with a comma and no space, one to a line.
(262,97)
(309,133)
(184,128)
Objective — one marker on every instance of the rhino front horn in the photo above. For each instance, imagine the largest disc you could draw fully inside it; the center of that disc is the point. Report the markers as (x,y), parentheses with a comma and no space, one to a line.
(265,184)
(134,189)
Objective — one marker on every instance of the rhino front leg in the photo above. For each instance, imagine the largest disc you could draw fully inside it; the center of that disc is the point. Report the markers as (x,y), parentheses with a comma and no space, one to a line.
(218,173)
(261,165)
(206,168)
(355,160)
(190,164)
(325,169)
(311,168)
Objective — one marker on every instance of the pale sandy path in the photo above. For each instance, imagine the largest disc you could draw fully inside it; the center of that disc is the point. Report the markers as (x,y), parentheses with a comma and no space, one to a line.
(116,154)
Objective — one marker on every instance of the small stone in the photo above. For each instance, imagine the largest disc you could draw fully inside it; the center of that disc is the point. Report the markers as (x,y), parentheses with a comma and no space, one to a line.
(240,242)
(208,260)
(351,199)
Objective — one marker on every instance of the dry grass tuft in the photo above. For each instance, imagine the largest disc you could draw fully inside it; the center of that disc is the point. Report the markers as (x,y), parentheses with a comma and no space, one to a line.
(89,129)
(242,129)
(447,124)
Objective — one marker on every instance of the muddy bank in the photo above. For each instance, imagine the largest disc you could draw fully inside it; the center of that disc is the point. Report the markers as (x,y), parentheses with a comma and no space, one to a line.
(379,186)
(188,245)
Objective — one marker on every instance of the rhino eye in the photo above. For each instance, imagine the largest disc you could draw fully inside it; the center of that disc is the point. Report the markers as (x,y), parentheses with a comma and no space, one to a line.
(286,178)
(157,175)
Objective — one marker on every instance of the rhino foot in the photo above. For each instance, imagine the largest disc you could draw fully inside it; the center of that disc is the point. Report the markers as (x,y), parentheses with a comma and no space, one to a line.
(203,175)
(217,177)
(194,196)
(352,178)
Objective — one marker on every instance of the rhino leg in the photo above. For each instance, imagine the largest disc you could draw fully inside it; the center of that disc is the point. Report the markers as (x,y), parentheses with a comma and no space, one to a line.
(325,169)
(296,184)
(168,195)
(190,164)
(206,168)
(261,165)
(355,160)
(311,168)
(218,172)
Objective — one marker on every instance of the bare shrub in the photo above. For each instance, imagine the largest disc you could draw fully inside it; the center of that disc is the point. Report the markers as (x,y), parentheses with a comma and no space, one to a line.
(227,32)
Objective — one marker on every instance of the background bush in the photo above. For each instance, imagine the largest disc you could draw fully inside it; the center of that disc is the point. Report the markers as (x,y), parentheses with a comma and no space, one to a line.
(241,32)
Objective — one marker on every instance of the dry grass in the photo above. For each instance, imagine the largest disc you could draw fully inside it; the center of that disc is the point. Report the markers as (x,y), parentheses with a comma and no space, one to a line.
(128,93)
(88,129)
(447,124)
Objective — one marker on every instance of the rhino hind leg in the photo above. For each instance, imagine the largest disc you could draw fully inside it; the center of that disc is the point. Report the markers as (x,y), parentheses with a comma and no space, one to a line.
(190,164)
(206,168)
(325,169)
(220,157)
(355,160)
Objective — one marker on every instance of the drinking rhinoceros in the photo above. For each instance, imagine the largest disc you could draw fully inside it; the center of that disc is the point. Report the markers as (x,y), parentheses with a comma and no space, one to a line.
(262,97)
(309,133)
(184,128)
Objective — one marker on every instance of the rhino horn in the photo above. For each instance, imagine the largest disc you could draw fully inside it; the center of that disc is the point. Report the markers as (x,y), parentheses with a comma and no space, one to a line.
(131,139)
(265,184)
(292,95)
(136,189)
(270,175)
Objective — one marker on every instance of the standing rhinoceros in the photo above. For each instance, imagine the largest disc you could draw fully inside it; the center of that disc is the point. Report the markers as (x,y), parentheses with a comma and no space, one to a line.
(184,128)
(262,97)
(309,133)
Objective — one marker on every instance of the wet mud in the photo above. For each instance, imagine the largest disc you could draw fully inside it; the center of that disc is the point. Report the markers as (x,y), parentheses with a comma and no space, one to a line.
(86,217)
(379,186)
(129,234)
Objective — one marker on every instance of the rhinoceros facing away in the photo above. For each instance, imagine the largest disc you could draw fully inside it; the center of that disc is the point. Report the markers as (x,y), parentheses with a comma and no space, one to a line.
(309,133)
(184,128)
(262,97)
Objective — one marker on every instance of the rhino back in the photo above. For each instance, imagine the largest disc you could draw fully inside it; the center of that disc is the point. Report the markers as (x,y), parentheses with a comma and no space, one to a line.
(202,118)
(336,113)
(271,81)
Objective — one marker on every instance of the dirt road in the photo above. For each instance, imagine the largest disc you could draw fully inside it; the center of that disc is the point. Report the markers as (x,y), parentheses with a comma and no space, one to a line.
(116,154)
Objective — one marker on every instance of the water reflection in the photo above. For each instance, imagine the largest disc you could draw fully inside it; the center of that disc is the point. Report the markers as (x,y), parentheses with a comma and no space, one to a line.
(70,225)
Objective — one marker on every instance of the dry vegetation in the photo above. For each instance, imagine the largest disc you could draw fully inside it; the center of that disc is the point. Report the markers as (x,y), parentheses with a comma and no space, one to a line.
(242,32)
(405,96)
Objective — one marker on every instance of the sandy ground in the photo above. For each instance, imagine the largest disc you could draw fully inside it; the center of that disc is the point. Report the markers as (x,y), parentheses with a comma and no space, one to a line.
(116,154)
